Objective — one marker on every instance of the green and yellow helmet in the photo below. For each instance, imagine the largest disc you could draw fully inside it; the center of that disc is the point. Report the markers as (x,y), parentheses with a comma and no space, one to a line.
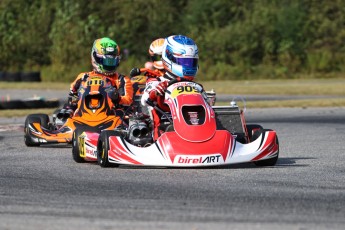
(105,56)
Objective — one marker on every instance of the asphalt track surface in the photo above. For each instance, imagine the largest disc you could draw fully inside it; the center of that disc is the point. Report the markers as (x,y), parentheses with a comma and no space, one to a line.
(43,188)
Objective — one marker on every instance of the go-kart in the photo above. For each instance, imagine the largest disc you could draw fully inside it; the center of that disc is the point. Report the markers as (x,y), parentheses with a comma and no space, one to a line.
(139,81)
(196,135)
(95,112)
(84,142)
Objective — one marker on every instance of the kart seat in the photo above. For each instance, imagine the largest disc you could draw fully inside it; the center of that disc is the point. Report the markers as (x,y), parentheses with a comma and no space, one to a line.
(230,118)
(93,101)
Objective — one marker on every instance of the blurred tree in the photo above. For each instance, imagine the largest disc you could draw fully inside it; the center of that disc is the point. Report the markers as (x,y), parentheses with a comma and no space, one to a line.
(23,34)
(236,38)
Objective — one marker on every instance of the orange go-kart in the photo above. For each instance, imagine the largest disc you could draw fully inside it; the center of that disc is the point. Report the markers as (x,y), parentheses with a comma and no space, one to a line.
(139,84)
(95,112)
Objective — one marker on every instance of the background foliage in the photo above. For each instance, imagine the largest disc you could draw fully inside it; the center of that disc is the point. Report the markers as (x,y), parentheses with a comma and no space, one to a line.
(237,39)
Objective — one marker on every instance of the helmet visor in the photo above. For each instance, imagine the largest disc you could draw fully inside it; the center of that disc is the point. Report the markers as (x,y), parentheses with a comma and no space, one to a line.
(187,62)
(109,62)
(156,57)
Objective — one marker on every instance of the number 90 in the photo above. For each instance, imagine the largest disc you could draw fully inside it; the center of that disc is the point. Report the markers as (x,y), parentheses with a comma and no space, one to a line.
(187,88)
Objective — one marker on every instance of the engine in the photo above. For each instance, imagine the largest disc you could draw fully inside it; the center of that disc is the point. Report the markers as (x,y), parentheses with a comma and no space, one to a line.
(139,132)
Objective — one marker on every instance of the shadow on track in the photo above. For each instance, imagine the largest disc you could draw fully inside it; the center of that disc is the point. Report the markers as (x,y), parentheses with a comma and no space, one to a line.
(282,162)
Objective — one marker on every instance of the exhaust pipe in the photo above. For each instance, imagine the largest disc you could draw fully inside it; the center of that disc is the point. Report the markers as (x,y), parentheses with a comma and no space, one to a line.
(64,114)
(139,130)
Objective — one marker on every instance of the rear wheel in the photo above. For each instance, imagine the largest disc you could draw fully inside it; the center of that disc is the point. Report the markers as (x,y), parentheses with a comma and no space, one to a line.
(254,131)
(271,161)
(76,148)
(103,148)
(42,119)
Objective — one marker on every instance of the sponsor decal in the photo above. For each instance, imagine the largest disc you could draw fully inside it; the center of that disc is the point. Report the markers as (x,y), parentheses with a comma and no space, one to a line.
(110,49)
(193,118)
(204,159)
(95,81)
(81,91)
(90,151)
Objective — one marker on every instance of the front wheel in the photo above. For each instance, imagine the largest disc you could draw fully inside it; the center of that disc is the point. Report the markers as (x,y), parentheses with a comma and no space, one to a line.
(42,119)
(271,161)
(76,146)
(254,131)
(103,148)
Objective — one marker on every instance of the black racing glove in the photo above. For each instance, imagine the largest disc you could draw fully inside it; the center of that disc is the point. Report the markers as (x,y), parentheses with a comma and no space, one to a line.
(113,94)
(73,99)
(134,72)
(67,111)
(77,84)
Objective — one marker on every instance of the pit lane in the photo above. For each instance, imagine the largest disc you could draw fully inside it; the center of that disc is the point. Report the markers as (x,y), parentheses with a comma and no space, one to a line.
(43,188)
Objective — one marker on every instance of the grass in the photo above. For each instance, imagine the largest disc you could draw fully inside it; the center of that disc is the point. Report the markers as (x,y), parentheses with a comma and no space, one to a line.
(35,85)
(334,86)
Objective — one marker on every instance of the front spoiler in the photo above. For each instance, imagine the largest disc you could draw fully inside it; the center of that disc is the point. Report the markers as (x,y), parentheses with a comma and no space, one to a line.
(172,151)
(40,135)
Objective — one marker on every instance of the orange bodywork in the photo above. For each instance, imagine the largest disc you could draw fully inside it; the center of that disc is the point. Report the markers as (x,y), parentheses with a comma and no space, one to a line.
(139,82)
(64,134)
(95,112)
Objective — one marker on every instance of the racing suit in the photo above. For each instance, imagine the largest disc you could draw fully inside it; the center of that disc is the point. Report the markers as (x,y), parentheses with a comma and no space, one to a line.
(149,95)
(139,82)
(122,83)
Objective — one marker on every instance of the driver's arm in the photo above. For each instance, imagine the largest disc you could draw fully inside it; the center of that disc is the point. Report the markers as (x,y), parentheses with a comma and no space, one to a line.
(150,85)
(125,88)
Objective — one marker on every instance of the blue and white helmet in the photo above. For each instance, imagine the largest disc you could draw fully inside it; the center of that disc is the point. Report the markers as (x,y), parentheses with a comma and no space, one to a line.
(180,56)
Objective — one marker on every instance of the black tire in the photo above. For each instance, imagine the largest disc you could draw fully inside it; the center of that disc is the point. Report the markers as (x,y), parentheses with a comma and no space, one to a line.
(53,103)
(103,148)
(12,76)
(44,119)
(40,103)
(30,76)
(33,103)
(254,131)
(29,104)
(41,118)
(271,161)
(12,104)
(76,146)
(2,76)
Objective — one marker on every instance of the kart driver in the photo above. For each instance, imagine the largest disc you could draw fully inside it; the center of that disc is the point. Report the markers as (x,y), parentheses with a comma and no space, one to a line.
(155,53)
(152,69)
(105,58)
(180,61)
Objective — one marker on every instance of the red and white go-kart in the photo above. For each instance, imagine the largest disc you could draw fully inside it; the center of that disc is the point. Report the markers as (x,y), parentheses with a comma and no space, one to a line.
(197,135)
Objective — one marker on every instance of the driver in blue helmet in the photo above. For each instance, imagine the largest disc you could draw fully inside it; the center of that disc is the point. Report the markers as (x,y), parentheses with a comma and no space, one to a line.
(180,57)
